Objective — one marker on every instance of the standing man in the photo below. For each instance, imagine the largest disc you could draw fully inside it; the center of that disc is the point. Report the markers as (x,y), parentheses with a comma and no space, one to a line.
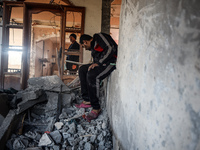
(104,52)
(73,46)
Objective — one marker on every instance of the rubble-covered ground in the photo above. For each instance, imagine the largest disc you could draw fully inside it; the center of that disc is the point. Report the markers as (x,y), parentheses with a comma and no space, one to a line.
(41,129)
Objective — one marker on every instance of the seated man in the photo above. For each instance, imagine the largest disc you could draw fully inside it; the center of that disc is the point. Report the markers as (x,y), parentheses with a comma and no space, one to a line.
(73,46)
(104,52)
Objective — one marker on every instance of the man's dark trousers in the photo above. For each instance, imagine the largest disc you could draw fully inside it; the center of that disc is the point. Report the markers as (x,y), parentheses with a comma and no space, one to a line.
(90,82)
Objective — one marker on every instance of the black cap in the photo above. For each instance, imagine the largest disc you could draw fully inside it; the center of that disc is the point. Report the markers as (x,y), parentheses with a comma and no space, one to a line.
(73,35)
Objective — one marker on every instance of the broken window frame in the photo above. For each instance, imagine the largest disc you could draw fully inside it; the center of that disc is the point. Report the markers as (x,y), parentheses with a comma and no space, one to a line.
(30,8)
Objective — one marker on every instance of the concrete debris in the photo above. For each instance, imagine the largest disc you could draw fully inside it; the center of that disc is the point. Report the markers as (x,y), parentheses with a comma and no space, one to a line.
(45,140)
(56,136)
(24,105)
(31,94)
(48,83)
(33,135)
(58,125)
(88,146)
(70,132)
(56,147)
(34,148)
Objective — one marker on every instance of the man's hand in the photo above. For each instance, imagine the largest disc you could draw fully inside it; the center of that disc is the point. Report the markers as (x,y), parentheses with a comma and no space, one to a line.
(92,66)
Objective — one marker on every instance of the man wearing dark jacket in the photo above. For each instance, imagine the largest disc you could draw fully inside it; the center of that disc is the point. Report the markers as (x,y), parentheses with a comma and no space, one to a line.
(72,47)
(104,52)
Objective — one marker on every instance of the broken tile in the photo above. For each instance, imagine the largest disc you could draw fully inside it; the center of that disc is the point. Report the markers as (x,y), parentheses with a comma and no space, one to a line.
(56,136)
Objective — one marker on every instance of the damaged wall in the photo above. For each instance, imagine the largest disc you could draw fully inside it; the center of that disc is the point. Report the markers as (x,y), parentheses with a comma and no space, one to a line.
(153,96)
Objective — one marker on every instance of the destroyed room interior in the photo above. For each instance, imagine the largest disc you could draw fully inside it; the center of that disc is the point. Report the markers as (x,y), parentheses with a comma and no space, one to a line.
(100,75)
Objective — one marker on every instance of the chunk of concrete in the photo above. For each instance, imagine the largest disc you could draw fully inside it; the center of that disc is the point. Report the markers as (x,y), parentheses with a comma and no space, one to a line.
(58,125)
(71,140)
(93,138)
(33,135)
(45,140)
(56,136)
(88,146)
(52,103)
(31,94)
(24,105)
(48,83)
(66,135)
(18,144)
(56,147)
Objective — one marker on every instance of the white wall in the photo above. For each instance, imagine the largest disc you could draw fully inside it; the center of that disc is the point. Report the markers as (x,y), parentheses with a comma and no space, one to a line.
(154,95)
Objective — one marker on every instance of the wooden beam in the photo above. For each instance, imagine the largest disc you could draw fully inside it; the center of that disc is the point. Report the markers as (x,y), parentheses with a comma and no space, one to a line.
(63,25)
(5,42)
(26,47)
(68,2)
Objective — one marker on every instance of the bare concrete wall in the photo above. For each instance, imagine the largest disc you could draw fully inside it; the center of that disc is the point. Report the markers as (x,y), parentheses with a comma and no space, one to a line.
(154,95)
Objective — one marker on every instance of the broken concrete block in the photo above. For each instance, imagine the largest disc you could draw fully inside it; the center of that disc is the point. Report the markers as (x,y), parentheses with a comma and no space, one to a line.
(88,146)
(20,143)
(108,145)
(48,83)
(56,147)
(58,125)
(66,135)
(71,140)
(72,128)
(93,138)
(86,139)
(56,136)
(104,124)
(33,135)
(45,140)
(100,137)
(101,147)
(52,103)
(31,94)
(24,105)
(67,99)
(104,133)
(51,122)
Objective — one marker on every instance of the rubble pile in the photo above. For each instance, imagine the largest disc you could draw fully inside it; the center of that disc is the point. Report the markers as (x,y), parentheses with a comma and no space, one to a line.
(70,131)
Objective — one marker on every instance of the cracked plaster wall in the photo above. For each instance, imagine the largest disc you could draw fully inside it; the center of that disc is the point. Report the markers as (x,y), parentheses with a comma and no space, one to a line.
(153,98)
